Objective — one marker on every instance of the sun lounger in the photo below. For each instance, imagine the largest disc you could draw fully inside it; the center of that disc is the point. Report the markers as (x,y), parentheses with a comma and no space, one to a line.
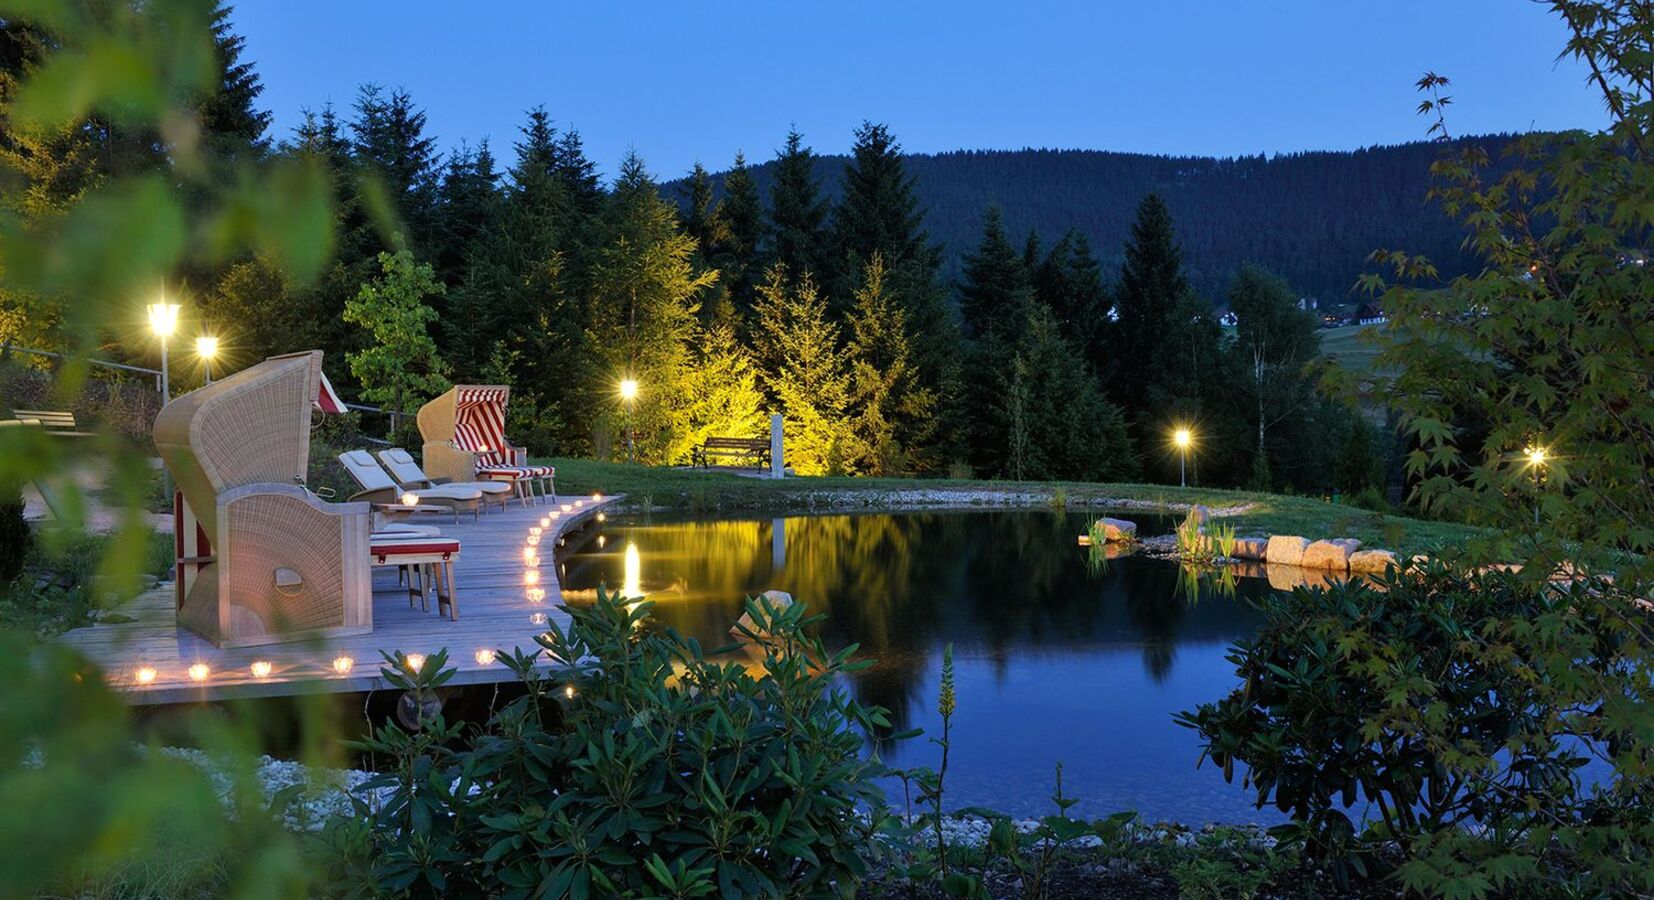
(379,487)
(401,466)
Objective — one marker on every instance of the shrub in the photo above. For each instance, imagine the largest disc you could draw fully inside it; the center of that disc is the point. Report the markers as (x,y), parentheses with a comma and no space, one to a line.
(668,774)
(1464,710)
(15,536)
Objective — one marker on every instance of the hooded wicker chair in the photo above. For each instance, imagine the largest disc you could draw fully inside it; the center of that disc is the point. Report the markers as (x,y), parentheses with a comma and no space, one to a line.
(465,440)
(261,559)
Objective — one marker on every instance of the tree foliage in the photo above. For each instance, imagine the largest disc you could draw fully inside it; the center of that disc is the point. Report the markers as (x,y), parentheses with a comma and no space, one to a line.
(400,368)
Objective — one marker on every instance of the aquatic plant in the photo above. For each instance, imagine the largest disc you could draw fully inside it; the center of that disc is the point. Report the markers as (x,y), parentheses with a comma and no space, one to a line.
(1223,539)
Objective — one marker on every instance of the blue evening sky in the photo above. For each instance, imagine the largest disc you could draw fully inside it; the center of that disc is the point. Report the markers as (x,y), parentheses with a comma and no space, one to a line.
(681,81)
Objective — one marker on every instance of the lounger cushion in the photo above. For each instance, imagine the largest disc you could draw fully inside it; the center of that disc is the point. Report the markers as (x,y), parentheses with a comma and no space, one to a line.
(516,471)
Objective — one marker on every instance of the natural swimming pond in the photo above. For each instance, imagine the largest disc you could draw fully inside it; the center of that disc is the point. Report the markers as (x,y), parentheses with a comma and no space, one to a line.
(1056,659)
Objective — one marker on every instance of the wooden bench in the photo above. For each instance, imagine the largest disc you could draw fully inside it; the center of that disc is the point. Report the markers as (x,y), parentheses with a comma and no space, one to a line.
(741,448)
(58,423)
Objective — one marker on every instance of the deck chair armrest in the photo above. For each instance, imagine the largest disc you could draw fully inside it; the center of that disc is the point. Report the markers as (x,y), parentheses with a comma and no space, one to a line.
(377,495)
(445,461)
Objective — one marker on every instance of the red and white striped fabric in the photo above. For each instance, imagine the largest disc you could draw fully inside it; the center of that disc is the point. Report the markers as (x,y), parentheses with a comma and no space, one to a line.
(515,471)
(392,549)
(327,399)
(191,545)
(479,425)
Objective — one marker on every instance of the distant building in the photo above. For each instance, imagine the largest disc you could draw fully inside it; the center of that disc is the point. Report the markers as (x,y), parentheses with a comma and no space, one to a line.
(1227,318)
(1371,313)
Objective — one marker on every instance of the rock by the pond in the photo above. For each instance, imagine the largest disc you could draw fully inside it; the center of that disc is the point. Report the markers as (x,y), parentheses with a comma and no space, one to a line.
(1251,547)
(1334,555)
(1372,561)
(1118,530)
(778,599)
(1285,550)
(1200,514)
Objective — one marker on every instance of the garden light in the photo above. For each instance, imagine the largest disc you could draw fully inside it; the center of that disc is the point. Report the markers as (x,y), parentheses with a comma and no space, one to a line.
(144,675)
(485,657)
(260,668)
(416,661)
(342,665)
(199,672)
(206,347)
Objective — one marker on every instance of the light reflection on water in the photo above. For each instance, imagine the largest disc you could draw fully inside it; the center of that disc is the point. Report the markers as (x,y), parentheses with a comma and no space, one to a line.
(1057,657)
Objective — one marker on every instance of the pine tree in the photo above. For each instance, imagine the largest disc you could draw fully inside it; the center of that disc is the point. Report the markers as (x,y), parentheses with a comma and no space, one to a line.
(400,368)
(697,219)
(891,410)
(879,211)
(805,373)
(644,272)
(798,215)
(469,207)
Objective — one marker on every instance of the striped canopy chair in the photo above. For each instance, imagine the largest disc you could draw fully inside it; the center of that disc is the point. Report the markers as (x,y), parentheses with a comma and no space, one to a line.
(464,432)
(261,559)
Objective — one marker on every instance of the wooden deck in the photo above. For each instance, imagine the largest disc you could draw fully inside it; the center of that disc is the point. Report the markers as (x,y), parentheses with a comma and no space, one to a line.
(495,613)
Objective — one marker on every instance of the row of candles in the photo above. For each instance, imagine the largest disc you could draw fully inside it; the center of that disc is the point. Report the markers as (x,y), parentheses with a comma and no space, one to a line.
(145,676)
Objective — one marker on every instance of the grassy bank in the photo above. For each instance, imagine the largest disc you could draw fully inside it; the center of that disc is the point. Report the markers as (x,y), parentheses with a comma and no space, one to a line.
(1256,512)
(59,587)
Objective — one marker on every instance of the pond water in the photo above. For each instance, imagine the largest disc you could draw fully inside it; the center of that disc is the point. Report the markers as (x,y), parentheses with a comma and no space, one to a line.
(1056,659)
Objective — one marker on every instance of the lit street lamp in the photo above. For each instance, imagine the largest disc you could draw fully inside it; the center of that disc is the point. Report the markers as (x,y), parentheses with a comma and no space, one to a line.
(163,321)
(1182,438)
(628,393)
(206,347)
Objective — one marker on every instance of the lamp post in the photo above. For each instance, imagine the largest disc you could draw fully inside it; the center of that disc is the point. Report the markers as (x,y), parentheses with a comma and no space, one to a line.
(163,321)
(206,347)
(1182,438)
(628,394)
(1536,462)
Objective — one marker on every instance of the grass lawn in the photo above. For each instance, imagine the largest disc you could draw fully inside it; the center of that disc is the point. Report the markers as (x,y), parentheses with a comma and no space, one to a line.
(1344,346)
(1266,514)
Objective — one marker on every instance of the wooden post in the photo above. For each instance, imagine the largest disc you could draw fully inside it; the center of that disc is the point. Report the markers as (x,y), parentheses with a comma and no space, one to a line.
(778,463)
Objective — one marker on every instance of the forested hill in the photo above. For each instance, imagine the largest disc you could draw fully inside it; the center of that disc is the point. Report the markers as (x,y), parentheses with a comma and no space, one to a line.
(1311,217)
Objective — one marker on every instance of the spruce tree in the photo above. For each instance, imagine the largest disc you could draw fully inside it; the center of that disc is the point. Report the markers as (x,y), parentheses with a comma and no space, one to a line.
(389,141)
(798,215)
(1057,423)
(1151,285)
(740,223)
(879,212)
(697,219)
(891,410)
(228,115)
(722,387)
(805,373)
(644,270)
(994,299)
(1070,282)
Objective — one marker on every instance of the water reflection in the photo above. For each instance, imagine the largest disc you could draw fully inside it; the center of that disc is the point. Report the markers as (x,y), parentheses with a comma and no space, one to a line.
(1058,656)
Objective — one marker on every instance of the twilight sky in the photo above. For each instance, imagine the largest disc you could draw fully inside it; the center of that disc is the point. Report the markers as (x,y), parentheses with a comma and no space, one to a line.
(681,81)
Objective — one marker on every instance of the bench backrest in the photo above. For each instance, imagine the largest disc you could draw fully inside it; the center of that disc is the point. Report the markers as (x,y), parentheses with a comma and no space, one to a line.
(48,417)
(737,443)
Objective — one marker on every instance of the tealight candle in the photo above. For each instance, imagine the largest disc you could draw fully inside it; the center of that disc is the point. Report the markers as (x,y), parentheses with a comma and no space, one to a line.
(410,499)
(342,665)
(537,619)
(144,675)
(531,577)
(416,661)
(485,657)
(260,668)
(199,672)
(536,595)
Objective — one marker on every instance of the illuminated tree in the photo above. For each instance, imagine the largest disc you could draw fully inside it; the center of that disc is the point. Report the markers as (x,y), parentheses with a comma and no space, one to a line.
(806,374)
(400,368)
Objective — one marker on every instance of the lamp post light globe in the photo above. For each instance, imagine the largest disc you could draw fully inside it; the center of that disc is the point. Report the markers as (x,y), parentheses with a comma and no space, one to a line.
(206,347)
(1536,456)
(628,389)
(163,321)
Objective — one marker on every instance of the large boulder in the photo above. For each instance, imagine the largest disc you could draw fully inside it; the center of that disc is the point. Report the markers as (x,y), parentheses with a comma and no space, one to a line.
(1285,550)
(778,599)
(1372,561)
(1333,555)
(1118,530)
(1252,547)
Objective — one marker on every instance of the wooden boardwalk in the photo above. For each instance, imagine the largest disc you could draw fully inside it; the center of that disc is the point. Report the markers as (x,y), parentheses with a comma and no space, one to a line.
(497,612)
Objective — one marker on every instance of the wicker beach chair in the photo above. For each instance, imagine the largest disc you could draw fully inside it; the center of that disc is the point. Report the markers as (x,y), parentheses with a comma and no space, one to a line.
(261,560)
(379,487)
(402,467)
(464,431)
